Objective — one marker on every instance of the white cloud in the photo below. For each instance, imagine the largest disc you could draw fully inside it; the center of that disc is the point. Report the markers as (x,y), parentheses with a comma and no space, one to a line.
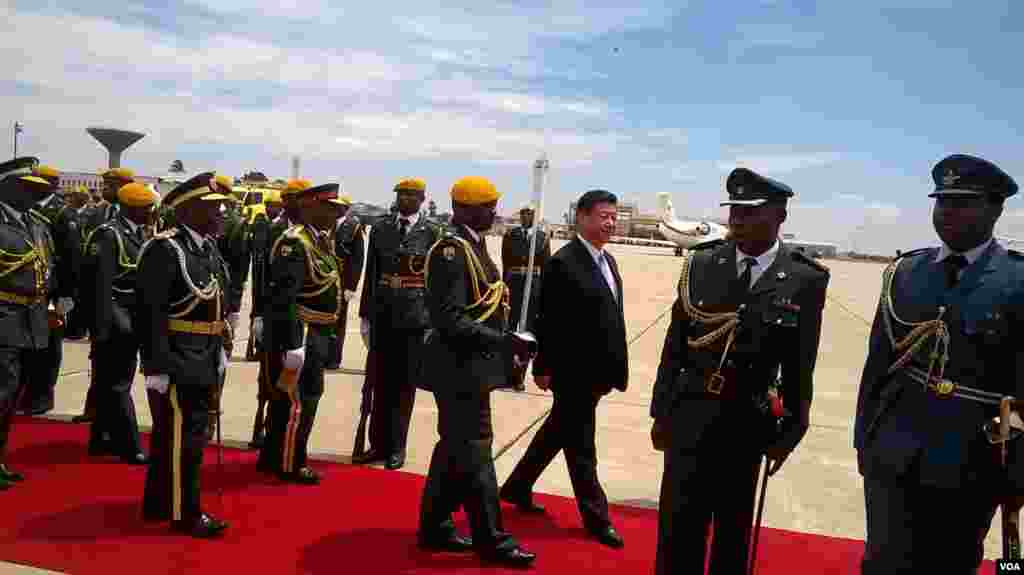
(780,163)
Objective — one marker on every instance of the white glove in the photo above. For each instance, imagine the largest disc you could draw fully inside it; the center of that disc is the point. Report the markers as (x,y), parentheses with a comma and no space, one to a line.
(348,295)
(364,330)
(233,321)
(223,363)
(257,328)
(158,383)
(65,305)
(294,358)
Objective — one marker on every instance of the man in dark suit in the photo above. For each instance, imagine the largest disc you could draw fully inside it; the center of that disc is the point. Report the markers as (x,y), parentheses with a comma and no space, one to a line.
(582,356)
(27,285)
(931,479)
(181,298)
(468,306)
(114,250)
(748,315)
(394,317)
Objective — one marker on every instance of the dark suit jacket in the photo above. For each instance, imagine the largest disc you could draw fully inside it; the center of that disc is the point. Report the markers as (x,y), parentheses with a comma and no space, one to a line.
(779,332)
(903,432)
(581,330)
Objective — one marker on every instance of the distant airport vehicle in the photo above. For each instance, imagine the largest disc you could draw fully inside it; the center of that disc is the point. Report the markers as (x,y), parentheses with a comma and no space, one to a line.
(685,234)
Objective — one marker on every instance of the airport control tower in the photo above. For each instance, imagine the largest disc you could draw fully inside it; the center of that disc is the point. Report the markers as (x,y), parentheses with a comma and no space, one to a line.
(115,141)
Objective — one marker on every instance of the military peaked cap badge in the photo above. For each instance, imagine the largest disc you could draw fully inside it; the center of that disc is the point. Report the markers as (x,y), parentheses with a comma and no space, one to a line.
(950,178)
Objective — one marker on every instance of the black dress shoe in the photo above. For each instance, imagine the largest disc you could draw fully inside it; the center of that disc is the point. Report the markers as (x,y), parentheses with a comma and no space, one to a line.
(304,476)
(514,557)
(453,543)
(610,537)
(6,474)
(205,527)
(523,503)
(395,461)
(83,418)
(40,410)
(257,441)
(371,456)
(135,459)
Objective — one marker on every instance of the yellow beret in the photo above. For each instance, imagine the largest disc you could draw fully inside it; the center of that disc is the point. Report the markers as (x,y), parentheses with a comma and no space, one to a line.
(272,197)
(474,191)
(225,182)
(45,172)
(296,185)
(119,174)
(136,195)
(411,185)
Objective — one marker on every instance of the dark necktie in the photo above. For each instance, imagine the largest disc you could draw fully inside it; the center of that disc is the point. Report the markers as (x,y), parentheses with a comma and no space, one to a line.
(403,227)
(744,280)
(953,264)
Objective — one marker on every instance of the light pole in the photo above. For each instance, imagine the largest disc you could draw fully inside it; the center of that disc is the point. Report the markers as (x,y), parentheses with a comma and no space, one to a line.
(18,128)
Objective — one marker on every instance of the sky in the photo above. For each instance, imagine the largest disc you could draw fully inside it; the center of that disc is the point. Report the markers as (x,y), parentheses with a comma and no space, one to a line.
(849,103)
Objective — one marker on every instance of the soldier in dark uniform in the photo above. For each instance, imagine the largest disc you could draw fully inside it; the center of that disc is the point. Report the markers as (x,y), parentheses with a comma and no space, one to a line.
(748,307)
(27,284)
(114,250)
(468,306)
(234,247)
(181,298)
(350,247)
(44,369)
(77,199)
(515,259)
(394,319)
(92,218)
(288,216)
(945,347)
(258,234)
(303,302)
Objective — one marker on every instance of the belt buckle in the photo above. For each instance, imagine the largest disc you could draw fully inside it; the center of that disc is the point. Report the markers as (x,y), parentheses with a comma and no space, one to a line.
(396,282)
(715,383)
(944,388)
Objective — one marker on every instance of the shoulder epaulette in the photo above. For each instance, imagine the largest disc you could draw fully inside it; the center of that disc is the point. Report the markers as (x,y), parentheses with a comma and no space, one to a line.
(801,256)
(707,245)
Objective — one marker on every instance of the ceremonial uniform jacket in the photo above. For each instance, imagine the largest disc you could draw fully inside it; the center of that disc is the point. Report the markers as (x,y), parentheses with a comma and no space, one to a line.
(113,249)
(515,258)
(468,306)
(181,308)
(27,282)
(260,296)
(259,245)
(95,216)
(931,436)
(776,340)
(61,222)
(350,246)
(394,290)
(234,246)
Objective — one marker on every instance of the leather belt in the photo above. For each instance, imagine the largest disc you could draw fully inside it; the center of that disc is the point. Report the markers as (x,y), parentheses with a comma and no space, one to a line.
(395,281)
(945,388)
(314,317)
(524,269)
(196,327)
(19,299)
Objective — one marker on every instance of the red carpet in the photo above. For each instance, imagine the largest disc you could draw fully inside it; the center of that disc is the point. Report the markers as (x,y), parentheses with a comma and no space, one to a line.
(82,515)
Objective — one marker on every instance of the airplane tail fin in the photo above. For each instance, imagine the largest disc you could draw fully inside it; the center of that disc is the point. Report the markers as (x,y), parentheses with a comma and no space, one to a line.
(665,206)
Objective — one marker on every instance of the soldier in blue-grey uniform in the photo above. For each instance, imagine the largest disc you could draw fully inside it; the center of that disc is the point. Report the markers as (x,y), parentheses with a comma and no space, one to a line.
(944,348)
(515,267)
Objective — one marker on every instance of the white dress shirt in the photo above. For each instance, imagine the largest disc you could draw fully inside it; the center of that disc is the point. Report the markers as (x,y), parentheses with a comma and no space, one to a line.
(762,262)
(600,258)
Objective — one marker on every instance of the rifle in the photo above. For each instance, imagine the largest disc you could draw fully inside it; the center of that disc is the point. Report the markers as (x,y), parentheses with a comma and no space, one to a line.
(1009,514)
(365,404)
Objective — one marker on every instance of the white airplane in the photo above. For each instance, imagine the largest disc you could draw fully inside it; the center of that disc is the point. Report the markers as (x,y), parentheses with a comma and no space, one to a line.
(685,234)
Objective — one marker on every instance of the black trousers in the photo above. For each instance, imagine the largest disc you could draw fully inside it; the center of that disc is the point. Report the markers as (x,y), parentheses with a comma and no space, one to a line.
(913,528)
(42,373)
(336,351)
(697,487)
(293,414)
(13,364)
(394,394)
(570,427)
(462,473)
(180,419)
(115,363)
